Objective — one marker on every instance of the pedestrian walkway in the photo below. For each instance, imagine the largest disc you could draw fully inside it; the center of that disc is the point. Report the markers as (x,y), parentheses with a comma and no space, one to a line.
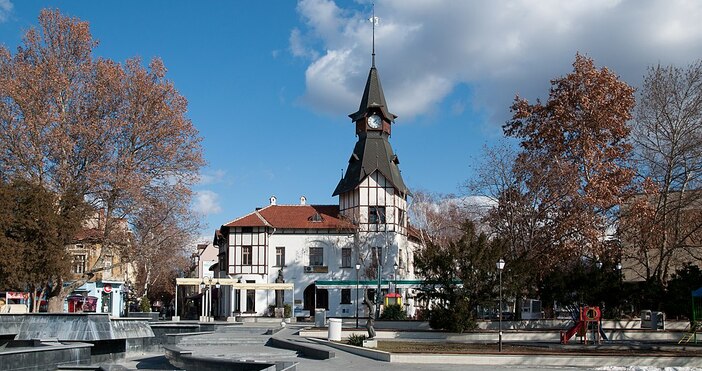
(248,343)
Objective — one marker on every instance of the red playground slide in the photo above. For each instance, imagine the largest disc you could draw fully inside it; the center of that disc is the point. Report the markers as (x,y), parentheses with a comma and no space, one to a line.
(565,336)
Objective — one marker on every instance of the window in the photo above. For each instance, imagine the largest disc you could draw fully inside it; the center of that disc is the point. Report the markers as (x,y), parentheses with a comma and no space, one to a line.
(376,215)
(346,257)
(78,263)
(108,267)
(400,217)
(345,296)
(371,294)
(250,299)
(246,255)
(317,256)
(280,256)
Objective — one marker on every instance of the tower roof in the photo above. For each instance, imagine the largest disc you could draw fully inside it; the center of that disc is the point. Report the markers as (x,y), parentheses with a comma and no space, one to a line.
(373,98)
(371,154)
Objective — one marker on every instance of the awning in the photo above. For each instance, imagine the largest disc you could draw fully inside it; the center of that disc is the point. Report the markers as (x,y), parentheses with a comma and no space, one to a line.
(369,284)
(234,283)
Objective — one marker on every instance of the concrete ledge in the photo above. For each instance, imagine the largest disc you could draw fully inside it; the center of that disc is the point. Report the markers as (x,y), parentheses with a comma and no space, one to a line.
(173,338)
(538,361)
(378,355)
(490,336)
(45,357)
(547,360)
(184,359)
(307,350)
(151,316)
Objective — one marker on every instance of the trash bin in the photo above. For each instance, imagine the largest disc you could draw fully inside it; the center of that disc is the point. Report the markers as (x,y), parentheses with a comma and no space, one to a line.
(653,320)
(320,317)
(657,320)
(646,319)
(334,333)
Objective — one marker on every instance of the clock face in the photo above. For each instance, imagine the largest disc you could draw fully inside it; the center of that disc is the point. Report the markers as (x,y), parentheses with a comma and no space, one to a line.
(374,122)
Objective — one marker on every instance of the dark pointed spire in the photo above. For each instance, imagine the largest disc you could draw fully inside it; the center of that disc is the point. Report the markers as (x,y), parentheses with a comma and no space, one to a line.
(373,96)
(373,21)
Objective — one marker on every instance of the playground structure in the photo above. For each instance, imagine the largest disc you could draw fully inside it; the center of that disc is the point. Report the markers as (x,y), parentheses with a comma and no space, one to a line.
(694,326)
(587,321)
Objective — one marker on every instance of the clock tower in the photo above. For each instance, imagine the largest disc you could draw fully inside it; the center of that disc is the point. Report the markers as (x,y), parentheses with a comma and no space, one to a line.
(372,192)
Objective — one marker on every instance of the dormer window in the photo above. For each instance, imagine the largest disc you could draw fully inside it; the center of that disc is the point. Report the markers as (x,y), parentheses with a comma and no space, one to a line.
(316,218)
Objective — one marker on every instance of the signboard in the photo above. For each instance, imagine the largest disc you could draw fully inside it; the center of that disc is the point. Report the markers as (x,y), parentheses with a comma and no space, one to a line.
(107,288)
(17,295)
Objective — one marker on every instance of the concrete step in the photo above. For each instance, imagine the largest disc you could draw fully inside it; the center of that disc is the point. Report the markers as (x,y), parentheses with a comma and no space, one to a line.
(223,341)
(243,352)
(242,330)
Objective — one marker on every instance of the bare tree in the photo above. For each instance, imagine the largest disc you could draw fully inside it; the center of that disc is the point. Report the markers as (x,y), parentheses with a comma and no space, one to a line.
(163,228)
(662,226)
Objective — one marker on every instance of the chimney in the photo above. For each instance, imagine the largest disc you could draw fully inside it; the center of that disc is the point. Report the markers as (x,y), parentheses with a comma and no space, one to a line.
(303,200)
(273,200)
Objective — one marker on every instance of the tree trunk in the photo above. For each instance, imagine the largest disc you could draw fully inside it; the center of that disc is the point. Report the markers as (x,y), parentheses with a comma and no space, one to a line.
(55,304)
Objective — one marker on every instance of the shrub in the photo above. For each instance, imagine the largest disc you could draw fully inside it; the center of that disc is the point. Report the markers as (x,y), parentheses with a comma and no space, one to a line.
(356,340)
(393,313)
(457,319)
(287,310)
(145,304)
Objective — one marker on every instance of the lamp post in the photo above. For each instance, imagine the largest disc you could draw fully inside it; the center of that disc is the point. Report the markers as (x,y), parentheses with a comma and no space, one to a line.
(500,267)
(217,286)
(379,270)
(358,267)
(394,267)
(202,300)
(619,280)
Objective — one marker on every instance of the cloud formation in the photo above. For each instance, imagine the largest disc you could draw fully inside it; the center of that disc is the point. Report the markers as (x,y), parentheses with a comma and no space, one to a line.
(207,202)
(5,9)
(212,176)
(497,48)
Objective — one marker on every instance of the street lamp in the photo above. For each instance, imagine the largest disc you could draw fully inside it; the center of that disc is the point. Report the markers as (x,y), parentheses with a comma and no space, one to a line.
(500,267)
(619,280)
(394,267)
(358,267)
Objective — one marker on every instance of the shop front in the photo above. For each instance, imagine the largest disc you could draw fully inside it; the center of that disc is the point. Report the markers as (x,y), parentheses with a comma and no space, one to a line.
(97,297)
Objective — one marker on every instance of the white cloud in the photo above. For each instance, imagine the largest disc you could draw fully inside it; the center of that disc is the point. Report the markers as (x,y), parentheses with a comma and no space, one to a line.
(5,9)
(298,48)
(207,202)
(212,176)
(500,48)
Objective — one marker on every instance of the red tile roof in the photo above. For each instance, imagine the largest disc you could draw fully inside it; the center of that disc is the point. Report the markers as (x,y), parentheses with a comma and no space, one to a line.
(294,217)
(87,234)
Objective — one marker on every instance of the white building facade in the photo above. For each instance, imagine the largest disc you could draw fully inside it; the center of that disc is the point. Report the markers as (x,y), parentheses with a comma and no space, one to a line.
(331,253)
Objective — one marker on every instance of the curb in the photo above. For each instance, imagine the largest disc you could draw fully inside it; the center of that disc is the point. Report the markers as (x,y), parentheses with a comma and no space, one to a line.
(492,359)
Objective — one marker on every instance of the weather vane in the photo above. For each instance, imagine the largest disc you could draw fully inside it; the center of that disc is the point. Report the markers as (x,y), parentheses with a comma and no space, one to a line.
(374,20)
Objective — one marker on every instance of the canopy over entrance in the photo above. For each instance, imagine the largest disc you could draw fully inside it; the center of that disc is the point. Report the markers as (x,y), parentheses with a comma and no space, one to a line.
(233,283)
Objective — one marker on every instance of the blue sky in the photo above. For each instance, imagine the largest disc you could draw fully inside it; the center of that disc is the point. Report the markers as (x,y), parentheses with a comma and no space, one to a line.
(270,83)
